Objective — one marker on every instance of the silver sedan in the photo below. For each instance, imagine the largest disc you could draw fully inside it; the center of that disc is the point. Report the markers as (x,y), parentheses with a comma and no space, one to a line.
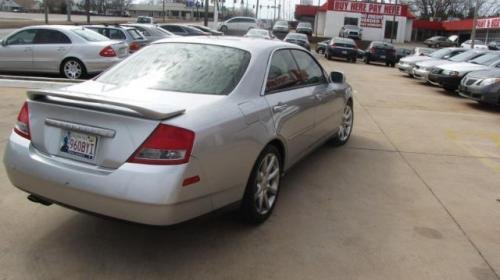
(71,51)
(181,128)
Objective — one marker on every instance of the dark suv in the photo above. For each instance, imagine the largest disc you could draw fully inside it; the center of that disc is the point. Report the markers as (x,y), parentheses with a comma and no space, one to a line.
(381,52)
(343,48)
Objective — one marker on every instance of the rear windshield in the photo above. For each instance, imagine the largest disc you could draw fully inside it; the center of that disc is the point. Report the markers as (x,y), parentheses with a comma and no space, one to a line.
(296,36)
(304,24)
(343,42)
(182,67)
(486,59)
(89,35)
(135,34)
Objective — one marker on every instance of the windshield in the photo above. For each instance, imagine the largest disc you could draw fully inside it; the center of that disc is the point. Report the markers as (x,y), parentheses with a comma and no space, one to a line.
(182,67)
(440,53)
(296,36)
(89,35)
(282,23)
(464,56)
(486,59)
(304,24)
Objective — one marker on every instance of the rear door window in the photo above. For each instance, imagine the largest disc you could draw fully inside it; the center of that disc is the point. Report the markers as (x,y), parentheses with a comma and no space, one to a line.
(116,34)
(283,72)
(47,36)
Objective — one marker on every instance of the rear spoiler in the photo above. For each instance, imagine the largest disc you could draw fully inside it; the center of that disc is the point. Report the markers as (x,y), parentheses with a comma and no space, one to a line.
(102,103)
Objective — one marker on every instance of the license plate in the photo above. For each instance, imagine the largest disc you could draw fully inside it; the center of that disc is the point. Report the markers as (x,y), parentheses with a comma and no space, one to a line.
(382,57)
(344,52)
(79,145)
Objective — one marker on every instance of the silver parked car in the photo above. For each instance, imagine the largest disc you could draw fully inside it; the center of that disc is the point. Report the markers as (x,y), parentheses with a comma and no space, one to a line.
(71,51)
(183,127)
(130,35)
(239,24)
(152,32)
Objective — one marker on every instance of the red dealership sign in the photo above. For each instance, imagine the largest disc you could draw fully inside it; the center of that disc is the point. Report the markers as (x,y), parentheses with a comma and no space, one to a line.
(485,23)
(367,8)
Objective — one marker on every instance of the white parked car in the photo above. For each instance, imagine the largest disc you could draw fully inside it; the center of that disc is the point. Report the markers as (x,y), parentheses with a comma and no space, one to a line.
(239,24)
(478,44)
(72,51)
(406,64)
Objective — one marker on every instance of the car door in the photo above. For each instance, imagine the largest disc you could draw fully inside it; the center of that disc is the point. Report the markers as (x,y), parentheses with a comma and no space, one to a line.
(49,49)
(16,52)
(328,112)
(292,105)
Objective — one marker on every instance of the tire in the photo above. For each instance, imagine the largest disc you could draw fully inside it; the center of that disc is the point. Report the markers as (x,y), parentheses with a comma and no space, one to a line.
(327,56)
(345,129)
(367,60)
(354,60)
(266,171)
(393,64)
(450,89)
(437,45)
(223,29)
(72,68)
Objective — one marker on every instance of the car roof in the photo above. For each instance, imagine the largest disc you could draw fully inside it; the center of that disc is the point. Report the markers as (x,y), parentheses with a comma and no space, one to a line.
(54,26)
(243,43)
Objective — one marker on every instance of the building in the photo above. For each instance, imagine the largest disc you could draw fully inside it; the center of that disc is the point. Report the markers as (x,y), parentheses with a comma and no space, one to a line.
(487,29)
(10,6)
(172,10)
(379,21)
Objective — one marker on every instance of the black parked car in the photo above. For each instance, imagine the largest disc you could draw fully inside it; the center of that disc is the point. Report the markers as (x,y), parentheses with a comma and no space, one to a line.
(298,39)
(343,48)
(183,30)
(402,52)
(381,52)
(321,46)
(482,86)
(207,30)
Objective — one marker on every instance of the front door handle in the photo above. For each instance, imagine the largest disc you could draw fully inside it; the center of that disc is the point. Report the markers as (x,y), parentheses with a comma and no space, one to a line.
(27,49)
(280,107)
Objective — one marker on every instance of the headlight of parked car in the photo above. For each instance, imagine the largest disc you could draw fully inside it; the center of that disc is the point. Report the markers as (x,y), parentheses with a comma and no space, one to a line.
(451,73)
(490,81)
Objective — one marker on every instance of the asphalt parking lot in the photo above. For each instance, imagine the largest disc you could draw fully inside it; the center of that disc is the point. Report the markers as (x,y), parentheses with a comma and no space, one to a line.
(414,195)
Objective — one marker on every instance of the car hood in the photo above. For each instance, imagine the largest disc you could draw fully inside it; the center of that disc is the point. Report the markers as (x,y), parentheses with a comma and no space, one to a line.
(484,74)
(415,58)
(463,66)
(432,62)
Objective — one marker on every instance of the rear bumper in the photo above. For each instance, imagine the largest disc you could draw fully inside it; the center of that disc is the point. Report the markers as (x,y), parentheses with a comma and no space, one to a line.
(345,53)
(144,194)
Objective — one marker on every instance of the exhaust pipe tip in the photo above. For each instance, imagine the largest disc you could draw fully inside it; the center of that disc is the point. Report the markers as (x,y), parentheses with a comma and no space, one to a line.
(37,199)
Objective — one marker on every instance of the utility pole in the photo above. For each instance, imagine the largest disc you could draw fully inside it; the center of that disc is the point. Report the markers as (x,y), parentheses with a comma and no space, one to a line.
(274,14)
(394,20)
(257,10)
(205,19)
(163,4)
(216,13)
(474,23)
(87,10)
(68,10)
(316,21)
(46,9)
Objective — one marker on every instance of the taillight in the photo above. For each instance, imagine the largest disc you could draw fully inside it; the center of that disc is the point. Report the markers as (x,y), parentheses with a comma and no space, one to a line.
(372,50)
(107,52)
(22,126)
(133,47)
(333,45)
(166,145)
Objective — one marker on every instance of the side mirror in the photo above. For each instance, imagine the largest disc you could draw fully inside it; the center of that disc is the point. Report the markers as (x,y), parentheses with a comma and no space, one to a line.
(3,43)
(337,77)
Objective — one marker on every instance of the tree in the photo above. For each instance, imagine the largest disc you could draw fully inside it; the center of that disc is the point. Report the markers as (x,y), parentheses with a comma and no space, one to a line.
(445,9)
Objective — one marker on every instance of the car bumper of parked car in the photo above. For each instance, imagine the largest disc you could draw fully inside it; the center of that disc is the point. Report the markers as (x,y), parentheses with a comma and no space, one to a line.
(421,74)
(148,194)
(489,94)
(101,64)
(449,81)
(404,67)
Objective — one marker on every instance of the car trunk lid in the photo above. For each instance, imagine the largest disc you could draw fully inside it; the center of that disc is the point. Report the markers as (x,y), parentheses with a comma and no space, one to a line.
(98,129)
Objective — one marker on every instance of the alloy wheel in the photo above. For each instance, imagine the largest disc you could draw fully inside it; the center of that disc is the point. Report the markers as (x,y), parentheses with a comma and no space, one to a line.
(268,176)
(72,69)
(346,126)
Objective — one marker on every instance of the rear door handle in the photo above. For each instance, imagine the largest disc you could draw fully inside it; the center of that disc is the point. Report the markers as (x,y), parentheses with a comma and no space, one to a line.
(279,108)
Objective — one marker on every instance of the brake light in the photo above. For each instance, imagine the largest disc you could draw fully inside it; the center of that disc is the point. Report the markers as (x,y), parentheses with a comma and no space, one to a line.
(166,145)
(372,50)
(107,52)
(333,45)
(22,127)
(133,47)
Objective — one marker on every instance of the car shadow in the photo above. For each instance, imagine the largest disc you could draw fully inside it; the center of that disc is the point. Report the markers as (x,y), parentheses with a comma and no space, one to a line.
(487,108)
